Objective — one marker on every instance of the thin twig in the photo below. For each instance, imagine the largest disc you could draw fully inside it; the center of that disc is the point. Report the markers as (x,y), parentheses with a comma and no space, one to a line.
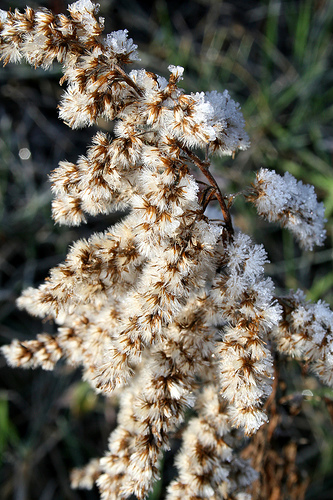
(203,166)
(128,80)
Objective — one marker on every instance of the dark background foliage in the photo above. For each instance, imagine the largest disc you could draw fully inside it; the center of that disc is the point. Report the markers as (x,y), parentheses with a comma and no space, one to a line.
(275,58)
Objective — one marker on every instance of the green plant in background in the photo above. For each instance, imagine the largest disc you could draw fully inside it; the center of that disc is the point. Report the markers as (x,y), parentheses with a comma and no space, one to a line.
(234,72)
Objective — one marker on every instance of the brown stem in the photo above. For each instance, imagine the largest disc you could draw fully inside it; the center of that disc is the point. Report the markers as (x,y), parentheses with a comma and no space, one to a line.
(203,166)
(128,80)
(206,196)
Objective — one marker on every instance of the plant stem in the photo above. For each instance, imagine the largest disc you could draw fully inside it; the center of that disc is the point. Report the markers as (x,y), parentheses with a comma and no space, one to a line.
(204,168)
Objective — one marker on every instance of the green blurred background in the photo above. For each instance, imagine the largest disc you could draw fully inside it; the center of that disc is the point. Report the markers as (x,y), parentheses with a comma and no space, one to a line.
(275,58)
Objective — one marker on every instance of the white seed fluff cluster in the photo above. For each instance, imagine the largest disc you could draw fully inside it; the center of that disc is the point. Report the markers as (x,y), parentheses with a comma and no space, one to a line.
(118,42)
(306,333)
(206,466)
(168,307)
(85,8)
(243,303)
(292,204)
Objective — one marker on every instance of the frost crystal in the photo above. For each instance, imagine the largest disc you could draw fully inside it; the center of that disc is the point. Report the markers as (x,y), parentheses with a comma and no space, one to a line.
(226,114)
(176,71)
(293,204)
(118,42)
(3,16)
(84,6)
(306,332)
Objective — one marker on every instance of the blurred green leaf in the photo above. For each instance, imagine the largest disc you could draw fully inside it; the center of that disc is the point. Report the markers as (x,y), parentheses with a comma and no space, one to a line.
(8,432)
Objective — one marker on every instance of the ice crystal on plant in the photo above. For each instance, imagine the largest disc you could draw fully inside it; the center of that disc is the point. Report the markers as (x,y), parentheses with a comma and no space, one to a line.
(85,6)
(293,204)
(306,332)
(226,113)
(118,42)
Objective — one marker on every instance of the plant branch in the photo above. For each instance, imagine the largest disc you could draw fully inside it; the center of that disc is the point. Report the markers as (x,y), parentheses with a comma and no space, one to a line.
(128,80)
(204,168)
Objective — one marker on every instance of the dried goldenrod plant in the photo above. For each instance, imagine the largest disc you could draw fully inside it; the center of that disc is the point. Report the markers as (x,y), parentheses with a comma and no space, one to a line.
(167,307)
